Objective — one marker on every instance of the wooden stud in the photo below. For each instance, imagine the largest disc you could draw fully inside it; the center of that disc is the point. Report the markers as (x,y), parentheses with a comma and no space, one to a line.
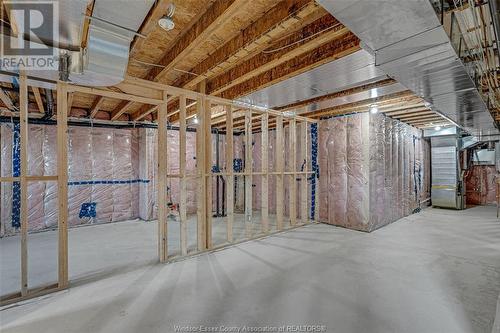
(121,109)
(116,95)
(248,171)
(95,106)
(200,170)
(230,172)
(6,100)
(62,183)
(303,185)
(23,117)
(279,170)
(265,175)
(208,171)
(38,99)
(292,138)
(162,180)
(182,173)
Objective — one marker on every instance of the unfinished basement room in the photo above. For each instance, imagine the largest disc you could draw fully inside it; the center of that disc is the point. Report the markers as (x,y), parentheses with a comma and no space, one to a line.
(250,166)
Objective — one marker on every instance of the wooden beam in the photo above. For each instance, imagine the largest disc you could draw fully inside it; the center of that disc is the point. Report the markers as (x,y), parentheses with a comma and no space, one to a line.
(248,174)
(279,170)
(230,171)
(38,99)
(95,106)
(347,92)
(182,173)
(216,16)
(121,109)
(265,174)
(411,116)
(424,119)
(62,182)
(145,110)
(279,20)
(305,40)
(363,106)
(161,174)
(23,123)
(325,53)
(6,100)
(405,110)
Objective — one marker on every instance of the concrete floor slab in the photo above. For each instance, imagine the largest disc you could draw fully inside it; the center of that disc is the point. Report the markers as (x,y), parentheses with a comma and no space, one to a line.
(436,271)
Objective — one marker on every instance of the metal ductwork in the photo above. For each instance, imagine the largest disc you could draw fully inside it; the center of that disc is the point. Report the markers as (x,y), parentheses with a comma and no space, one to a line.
(411,46)
(103,60)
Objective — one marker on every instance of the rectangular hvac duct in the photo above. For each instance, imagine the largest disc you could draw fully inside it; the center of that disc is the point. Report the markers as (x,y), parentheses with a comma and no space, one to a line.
(411,46)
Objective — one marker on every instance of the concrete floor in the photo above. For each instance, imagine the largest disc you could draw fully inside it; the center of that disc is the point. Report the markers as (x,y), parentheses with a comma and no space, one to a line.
(97,251)
(436,271)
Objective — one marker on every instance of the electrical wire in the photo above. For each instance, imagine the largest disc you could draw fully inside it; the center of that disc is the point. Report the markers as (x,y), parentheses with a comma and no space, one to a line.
(162,66)
(301,40)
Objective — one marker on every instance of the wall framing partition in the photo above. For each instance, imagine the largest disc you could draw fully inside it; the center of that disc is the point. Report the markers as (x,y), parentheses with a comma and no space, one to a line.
(27,291)
(257,121)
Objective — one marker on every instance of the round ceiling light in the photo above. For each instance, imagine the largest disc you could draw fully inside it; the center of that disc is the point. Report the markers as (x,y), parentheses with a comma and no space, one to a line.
(373,108)
(167,21)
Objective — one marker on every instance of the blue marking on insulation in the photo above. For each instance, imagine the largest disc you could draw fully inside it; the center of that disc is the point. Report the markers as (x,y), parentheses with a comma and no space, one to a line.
(16,172)
(108,182)
(315,166)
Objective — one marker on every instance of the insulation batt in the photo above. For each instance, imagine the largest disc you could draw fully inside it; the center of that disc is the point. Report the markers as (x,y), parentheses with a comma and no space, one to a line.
(480,185)
(94,154)
(373,170)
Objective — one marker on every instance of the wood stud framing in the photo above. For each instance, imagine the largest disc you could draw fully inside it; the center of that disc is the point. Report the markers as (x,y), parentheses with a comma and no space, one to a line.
(304,175)
(265,173)
(230,173)
(248,174)
(161,175)
(279,173)
(292,148)
(203,175)
(182,174)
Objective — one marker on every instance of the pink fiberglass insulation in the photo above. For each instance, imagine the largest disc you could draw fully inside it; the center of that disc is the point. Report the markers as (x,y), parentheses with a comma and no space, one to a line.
(480,185)
(373,170)
(324,132)
(337,172)
(357,172)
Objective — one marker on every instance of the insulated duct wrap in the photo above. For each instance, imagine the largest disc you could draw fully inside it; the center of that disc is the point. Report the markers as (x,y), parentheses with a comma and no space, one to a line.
(372,170)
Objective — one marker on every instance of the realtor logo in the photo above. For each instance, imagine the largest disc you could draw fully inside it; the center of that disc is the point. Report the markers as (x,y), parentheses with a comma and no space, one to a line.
(26,42)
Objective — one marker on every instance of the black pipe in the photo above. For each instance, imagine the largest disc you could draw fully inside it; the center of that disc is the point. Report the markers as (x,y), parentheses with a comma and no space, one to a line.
(217,187)
(50,122)
(49,104)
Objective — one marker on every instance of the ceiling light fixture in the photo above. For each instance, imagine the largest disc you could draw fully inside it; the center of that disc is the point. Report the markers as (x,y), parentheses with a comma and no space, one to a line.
(373,108)
(167,21)
(437,128)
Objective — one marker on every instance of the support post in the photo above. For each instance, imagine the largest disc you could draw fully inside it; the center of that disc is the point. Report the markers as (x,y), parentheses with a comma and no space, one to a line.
(200,170)
(162,179)
(248,173)
(230,173)
(23,123)
(303,185)
(208,171)
(62,182)
(292,131)
(182,174)
(279,172)
(265,172)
